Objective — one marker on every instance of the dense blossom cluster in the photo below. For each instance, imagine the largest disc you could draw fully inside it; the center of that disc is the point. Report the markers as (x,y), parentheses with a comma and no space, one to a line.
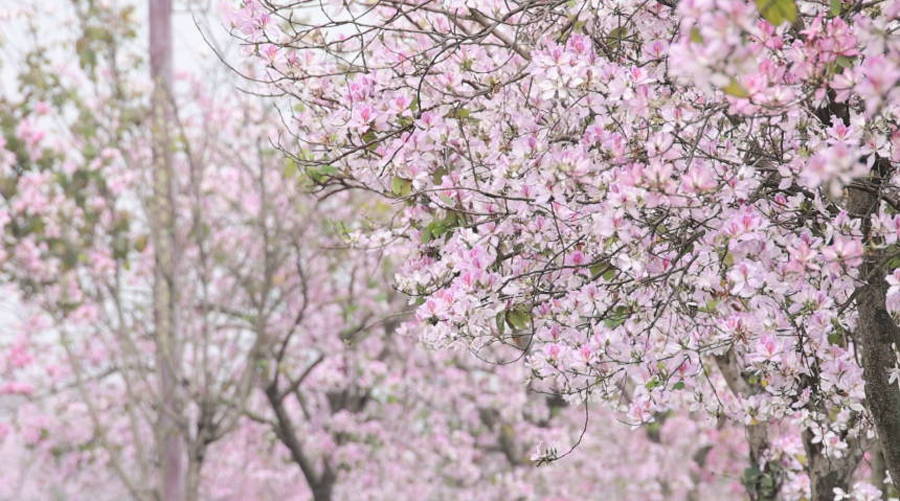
(675,205)
(654,245)
(294,381)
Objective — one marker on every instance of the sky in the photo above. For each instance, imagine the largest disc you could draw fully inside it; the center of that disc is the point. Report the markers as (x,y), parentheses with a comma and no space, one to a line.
(190,17)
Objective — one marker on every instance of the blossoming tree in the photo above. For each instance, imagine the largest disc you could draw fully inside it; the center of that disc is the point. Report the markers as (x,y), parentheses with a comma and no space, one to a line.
(669,204)
(283,372)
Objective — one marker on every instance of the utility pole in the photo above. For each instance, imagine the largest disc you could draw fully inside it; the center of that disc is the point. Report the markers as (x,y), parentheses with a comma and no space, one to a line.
(170,438)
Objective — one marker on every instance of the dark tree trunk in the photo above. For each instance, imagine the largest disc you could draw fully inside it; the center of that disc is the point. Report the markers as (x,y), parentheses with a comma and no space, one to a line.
(876,333)
(320,483)
(762,478)
(825,473)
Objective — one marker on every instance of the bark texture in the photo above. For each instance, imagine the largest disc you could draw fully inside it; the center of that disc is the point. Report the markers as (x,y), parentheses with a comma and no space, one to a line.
(877,335)
(828,473)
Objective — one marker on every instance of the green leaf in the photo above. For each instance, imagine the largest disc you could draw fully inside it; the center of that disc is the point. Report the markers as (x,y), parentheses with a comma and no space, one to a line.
(519,317)
(400,187)
(290,168)
(844,61)
(836,338)
(734,88)
(617,35)
(140,243)
(893,263)
(459,113)
(321,174)
(678,386)
(438,175)
(369,136)
(696,37)
(453,219)
(618,317)
(653,383)
(440,227)
(433,230)
(835,8)
(500,319)
(777,11)
(604,269)
(711,306)
(729,259)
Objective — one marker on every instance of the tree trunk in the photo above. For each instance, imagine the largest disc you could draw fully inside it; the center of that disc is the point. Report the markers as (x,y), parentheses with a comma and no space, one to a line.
(876,333)
(762,478)
(195,465)
(320,483)
(322,491)
(878,477)
(825,473)
(169,435)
